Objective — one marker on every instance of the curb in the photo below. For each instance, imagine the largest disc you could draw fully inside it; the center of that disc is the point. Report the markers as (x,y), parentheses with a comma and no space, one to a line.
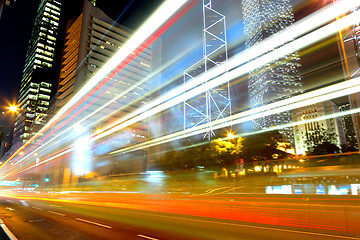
(5,233)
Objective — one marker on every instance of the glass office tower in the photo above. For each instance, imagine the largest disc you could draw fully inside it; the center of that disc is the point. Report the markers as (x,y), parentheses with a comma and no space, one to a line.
(37,79)
(276,80)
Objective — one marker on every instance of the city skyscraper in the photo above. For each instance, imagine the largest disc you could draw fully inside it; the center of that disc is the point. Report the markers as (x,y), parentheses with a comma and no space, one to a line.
(37,80)
(349,47)
(91,40)
(276,80)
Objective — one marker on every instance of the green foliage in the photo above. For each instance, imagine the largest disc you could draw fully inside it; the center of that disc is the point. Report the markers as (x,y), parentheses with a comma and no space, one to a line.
(220,153)
(261,146)
(225,152)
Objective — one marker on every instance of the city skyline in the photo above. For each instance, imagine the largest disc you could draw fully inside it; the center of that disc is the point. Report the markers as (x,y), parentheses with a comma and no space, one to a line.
(237,106)
(111,155)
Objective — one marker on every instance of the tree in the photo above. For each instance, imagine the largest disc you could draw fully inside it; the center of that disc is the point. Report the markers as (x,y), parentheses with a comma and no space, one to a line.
(321,141)
(261,146)
(224,152)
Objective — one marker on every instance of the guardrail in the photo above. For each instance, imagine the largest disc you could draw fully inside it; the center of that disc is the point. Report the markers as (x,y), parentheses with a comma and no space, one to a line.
(5,233)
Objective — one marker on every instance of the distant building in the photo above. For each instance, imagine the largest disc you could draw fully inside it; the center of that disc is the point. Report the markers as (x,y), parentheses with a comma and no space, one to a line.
(348,125)
(277,80)
(304,131)
(36,83)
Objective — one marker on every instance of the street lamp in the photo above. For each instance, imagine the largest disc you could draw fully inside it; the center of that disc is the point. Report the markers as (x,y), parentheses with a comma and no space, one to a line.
(98,131)
(230,135)
(13,108)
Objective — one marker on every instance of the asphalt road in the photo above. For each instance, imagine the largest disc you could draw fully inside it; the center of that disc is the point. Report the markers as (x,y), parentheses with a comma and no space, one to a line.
(141,216)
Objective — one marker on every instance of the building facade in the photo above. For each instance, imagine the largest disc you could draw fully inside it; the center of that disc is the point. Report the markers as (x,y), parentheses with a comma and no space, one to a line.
(309,128)
(349,48)
(91,40)
(348,125)
(36,83)
(276,80)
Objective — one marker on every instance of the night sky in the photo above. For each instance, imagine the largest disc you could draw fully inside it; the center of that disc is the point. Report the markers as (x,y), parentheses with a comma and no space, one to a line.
(15,31)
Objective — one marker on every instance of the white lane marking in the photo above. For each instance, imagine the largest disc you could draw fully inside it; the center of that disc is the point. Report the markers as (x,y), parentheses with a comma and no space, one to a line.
(8,232)
(10,209)
(55,206)
(251,226)
(95,223)
(37,208)
(57,213)
(143,236)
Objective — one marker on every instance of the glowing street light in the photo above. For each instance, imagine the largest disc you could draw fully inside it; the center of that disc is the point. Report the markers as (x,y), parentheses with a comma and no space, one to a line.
(98,130)
(13,108)
(230,135)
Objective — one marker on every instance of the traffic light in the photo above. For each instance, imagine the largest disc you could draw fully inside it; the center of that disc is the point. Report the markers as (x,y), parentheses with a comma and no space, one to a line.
(47,179)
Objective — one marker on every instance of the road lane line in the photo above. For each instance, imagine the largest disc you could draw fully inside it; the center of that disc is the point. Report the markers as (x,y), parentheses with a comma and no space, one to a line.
(9,208)
(95,223)
(55,206)
(7,231)
(143,236)
(57,213)
(37,208)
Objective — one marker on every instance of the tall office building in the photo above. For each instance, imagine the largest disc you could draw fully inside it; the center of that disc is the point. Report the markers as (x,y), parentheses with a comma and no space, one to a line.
(310,129)
(36,82)
(276,80)
(349,47)
(91,40)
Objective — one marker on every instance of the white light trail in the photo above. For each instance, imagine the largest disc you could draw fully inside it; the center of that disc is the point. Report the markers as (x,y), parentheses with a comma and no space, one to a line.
(151,25)
(305,25)
(327,93)
(168,99)
(317,19)
(156,20)
(163,102)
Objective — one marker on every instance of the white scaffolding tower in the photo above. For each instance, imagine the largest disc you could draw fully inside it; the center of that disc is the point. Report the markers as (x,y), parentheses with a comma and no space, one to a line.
(214,103)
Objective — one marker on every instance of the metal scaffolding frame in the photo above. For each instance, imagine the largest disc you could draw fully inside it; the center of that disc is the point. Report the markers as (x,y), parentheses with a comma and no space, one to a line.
(213,103)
